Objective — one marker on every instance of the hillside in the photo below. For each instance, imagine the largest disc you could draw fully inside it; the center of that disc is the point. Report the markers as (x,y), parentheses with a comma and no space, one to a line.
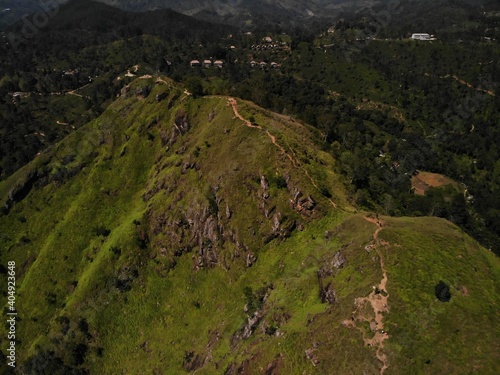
(386,106)
(178,234)
(65,73)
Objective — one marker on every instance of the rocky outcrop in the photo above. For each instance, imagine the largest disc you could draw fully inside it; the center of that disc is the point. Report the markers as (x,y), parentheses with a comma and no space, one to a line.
(326,274)
(310,354)
(180,127)
(303,204)
(252,323)
(143,92)
(327,293)
(192,361)
(264,186)
(22,189)
(338,260)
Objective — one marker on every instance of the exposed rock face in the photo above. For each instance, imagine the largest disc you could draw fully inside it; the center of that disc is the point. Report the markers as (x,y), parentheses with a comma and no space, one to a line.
(186,166)
(180,127)
(143,92)
(252,323)
(250,259)
(196,228)
(328,294)
(338,260)
(299,202)
(21,190)
(192,361)
(276,221)
(264,185)
(326,275)
(310,354)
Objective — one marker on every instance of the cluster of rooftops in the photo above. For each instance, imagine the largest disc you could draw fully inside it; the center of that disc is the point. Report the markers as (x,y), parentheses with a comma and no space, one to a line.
(263,47)
(219,64)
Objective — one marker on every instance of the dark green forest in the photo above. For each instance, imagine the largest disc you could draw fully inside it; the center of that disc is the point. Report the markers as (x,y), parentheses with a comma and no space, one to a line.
(387,107)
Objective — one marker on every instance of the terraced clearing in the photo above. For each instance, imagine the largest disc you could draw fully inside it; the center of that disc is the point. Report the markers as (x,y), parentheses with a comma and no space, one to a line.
(424,180)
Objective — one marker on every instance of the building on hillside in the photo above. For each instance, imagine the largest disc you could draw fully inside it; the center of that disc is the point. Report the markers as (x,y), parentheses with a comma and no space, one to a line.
(421,36)
(274,65)
(263,65)
(218,64)
(267,39)
(195,63)
(253,64)
(207,63)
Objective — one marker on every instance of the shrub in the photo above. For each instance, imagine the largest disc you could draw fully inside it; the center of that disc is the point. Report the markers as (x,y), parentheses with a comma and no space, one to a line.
(442,291)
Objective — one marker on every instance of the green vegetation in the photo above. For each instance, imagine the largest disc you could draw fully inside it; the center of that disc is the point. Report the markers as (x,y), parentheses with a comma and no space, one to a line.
(160,224)
(159,251)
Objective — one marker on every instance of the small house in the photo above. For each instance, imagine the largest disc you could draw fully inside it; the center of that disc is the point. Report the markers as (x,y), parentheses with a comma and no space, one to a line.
(421,36)
(263,65)
(253,63)
(218,64)
(267,39)
(207,63)
(274,65)
(195,63)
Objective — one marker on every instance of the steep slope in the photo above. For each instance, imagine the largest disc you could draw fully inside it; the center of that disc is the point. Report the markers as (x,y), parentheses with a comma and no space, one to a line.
(176,234)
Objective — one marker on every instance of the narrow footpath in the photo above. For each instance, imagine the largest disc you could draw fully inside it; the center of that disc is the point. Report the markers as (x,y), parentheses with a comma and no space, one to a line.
(378,301)
(234,104)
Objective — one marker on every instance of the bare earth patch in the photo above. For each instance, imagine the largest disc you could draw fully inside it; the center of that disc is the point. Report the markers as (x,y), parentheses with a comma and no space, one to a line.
(370,309)
(425,180)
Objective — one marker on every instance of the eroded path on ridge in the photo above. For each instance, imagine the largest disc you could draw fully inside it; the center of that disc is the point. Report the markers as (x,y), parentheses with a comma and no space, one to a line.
(463,82)
(234,104)
(377,300)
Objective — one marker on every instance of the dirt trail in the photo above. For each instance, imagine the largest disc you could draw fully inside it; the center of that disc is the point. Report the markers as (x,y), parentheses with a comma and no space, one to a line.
(378,301)
(234,104)
(74,92)
(159,80)
(463,82)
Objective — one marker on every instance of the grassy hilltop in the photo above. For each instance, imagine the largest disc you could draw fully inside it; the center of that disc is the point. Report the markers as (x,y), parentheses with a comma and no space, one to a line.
(178,234)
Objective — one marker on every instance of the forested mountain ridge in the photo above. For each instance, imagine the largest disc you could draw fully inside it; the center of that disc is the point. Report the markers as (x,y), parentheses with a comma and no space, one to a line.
(174,209)
(180,196)
(65,73)
(387,106)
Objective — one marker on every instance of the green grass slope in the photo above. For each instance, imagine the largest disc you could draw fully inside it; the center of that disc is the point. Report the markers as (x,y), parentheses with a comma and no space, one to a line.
(169,236)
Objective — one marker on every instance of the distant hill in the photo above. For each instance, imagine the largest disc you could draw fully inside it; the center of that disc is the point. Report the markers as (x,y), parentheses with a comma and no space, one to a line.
(240,12)
(243,13)
(13,10)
